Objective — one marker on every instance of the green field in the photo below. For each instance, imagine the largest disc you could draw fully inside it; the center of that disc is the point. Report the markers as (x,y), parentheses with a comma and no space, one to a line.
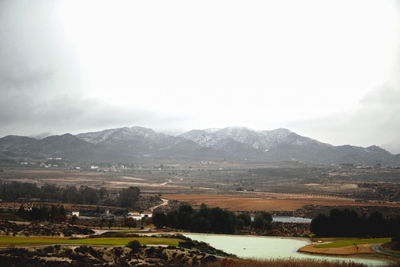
(111,241)
(119,228)
(128,231)
(350,242)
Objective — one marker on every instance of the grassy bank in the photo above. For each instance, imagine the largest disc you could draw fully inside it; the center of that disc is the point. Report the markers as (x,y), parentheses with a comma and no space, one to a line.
(6,241)
(341,242)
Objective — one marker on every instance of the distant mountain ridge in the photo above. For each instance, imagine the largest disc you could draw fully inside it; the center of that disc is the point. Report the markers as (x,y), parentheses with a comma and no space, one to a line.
(133,144)
(261,140)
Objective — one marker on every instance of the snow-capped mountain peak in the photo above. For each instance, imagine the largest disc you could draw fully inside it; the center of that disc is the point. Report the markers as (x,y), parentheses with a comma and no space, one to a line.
(117,134)
(261,140)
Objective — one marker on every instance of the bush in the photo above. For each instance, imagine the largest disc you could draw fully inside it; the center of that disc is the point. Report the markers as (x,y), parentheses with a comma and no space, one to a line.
(134,245)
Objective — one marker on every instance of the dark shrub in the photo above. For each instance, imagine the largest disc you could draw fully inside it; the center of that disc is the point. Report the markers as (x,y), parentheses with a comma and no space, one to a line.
(49,249)
(134,245)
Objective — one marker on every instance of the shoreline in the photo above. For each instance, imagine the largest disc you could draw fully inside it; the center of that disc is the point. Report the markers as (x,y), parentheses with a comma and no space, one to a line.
(376,256)
(362,256)
(248,235)
(367,254)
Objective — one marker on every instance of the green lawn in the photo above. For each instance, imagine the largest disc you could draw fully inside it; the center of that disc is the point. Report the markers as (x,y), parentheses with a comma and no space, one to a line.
(350,242)
(128,231)
(114,241)
(123,227)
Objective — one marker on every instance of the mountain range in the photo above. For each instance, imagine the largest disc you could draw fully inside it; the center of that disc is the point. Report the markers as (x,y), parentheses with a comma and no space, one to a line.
(136,144)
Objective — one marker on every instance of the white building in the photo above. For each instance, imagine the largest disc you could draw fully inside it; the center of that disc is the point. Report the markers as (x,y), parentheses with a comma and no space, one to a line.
(138,216)
(75,213)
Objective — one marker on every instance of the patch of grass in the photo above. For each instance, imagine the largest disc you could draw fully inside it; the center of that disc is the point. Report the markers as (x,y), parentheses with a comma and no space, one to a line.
(123,227)
(21,241)
(116,228)
(124,240)
(351,242)
(128,231)
(111,241)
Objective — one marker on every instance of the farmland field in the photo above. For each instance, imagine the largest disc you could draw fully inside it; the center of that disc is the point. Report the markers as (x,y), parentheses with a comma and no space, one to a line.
(262,187)
(268,201)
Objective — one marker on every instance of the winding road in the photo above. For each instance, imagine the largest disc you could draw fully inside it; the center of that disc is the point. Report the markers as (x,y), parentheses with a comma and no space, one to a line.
(378,249)
(164,203)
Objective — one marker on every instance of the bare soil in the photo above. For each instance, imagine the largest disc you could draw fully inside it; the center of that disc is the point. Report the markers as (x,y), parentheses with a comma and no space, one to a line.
(269,201)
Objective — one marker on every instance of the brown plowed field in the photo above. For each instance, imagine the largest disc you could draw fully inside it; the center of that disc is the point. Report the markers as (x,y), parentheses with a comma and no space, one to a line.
(268,201)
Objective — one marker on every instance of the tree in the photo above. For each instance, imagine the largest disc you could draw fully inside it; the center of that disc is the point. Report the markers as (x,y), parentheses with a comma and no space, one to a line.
(21,211)
(70,195)
(129,222)
(103,193)
(128,197)
(110,223)
(262,221)
(49,191)
(172,219)
(222,221)
(102,222)
(185,213)
(348,223)
(320,225)
(159,219)
(244,219)
(375,223)
(89,195)
(57,214)
(200,224)
(74,219)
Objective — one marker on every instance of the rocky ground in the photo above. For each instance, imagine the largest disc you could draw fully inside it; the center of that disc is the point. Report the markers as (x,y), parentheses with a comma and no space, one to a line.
(185,243)
(103,256)
(290,229)
(41,229)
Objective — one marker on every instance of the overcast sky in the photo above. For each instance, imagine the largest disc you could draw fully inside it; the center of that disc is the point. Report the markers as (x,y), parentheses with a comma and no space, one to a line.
(329,70)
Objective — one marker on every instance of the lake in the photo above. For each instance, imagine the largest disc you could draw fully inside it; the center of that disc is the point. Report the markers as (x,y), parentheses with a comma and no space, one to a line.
(269,248)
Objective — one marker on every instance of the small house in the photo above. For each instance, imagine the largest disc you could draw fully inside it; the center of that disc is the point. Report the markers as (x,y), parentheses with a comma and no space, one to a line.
(139,215)
(135,215)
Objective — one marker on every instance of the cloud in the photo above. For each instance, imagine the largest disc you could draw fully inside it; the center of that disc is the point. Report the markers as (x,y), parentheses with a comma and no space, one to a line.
(28,115)
(62,72)
(375,121)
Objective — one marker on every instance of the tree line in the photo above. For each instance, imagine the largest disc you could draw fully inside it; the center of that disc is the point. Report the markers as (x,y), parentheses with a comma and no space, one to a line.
(17,191)
(211,220)
(53,214)
(348,223)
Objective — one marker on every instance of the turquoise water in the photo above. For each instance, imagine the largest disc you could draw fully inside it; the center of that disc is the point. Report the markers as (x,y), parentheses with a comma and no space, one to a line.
(269,248)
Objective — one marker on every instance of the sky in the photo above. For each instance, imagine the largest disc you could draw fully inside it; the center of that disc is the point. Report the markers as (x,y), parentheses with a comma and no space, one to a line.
(329,70)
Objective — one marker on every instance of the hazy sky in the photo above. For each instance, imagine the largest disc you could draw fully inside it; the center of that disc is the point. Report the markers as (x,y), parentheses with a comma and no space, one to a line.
(329,70)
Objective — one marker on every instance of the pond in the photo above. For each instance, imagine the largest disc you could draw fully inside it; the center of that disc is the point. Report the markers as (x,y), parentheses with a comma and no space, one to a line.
(289,219)
(269,248)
